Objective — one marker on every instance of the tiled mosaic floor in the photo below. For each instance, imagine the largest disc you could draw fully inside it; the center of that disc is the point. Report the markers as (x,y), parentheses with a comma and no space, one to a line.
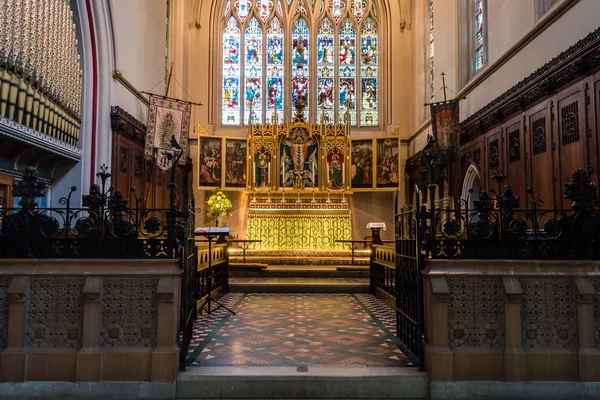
(289,329)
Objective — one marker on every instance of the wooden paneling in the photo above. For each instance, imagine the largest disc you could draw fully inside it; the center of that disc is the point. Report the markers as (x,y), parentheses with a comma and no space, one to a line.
(542,146)
(514,160)
(570,138)
(131,168)
(494,157)
(539,149)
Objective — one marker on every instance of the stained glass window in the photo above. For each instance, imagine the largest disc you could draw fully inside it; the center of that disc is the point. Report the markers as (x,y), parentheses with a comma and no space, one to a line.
(253,73)
(325,72)
(242,8)
(231,74)
(275,71)
(358,7)
(368,74)
(347,72)
(479,34)
(264,8)
(300,65)
(268,52)
(336,8)
(431,69)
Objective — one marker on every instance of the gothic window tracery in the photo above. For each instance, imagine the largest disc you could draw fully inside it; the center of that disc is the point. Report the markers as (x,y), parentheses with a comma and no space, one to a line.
(326,51)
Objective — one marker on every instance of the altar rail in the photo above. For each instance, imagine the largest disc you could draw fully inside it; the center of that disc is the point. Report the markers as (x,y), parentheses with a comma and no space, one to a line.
(219,270)
(383,273)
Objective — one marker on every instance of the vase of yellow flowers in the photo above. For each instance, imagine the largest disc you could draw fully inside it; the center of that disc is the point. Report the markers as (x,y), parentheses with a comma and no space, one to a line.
(218,204)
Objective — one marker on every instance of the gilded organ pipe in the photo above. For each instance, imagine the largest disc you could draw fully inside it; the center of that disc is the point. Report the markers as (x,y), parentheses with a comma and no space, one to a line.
(40,73)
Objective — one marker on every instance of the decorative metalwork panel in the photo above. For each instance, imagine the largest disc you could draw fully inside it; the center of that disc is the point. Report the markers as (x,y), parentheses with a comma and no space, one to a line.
(409,284)
(514,146)
(538,132)
(549,313)
(129,312)
(105,227)
(497,228)
(476,312)
(569,123)
(55,313)
(4,283)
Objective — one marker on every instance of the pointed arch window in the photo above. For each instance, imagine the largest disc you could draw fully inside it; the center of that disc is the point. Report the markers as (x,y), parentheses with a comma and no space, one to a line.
(231,74)
(480,21)
(274,51)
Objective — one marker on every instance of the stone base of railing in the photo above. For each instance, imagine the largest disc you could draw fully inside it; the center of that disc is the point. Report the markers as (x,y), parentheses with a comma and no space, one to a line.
(512,320)
(89,320)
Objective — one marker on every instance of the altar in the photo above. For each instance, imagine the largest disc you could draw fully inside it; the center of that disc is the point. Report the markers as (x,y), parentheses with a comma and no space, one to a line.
(299,228)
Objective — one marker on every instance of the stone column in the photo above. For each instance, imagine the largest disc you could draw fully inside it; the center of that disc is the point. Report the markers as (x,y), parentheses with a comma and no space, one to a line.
(515,361)
(14,358)
(447,202)
(588,356)
(439,356)
(89,358)
(165,358)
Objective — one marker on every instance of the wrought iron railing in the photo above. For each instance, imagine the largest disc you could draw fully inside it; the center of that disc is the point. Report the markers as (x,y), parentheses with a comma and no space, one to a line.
(497,228)
(107,226)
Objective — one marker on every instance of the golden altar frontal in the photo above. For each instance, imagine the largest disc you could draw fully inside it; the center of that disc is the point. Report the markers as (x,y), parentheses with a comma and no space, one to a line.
(299,222)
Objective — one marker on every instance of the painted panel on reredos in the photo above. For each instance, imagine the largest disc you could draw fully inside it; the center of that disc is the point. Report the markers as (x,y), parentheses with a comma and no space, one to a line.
(209,161)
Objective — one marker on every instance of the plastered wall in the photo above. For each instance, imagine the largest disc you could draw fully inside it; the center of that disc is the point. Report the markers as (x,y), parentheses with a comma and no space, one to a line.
(139,32)
(508,22)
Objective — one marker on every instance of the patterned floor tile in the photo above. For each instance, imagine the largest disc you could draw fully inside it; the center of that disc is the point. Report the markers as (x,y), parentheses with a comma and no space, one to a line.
(288,329)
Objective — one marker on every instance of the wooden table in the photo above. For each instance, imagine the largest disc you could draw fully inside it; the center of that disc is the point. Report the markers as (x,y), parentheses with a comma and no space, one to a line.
(353,244)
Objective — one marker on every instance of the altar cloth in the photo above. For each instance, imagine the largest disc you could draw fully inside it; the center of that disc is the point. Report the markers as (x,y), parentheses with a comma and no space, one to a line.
(299,229)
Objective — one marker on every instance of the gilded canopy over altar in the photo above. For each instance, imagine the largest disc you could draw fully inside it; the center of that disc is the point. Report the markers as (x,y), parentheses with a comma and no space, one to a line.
(299,156)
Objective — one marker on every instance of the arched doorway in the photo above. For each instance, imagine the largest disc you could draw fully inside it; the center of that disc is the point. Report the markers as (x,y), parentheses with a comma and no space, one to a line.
(472,180)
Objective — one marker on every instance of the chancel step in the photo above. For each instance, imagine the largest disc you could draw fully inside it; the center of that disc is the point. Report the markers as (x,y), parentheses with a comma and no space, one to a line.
(297,271)
(298,285)
(299,260)
(319,382)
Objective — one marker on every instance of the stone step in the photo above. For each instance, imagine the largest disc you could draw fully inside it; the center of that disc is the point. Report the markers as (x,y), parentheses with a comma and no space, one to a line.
(298,271)
(299,260)
(319,382)
(298,285)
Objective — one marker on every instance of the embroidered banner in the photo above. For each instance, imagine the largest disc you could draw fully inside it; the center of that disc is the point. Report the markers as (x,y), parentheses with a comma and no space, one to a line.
(166,118)
(444,123)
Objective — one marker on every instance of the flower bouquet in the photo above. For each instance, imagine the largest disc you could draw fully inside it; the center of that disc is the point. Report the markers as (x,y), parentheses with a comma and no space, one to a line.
(218,204)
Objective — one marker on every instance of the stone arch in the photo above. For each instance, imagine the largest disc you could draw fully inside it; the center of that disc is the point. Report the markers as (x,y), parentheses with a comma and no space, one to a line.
(472,179)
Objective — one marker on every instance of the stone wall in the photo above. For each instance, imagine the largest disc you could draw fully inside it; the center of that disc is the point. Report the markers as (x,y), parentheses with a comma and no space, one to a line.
(88,320)
(512,320)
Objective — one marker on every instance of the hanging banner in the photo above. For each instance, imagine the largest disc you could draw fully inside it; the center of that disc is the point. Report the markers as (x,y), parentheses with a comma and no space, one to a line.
(444,123)
(166,118)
